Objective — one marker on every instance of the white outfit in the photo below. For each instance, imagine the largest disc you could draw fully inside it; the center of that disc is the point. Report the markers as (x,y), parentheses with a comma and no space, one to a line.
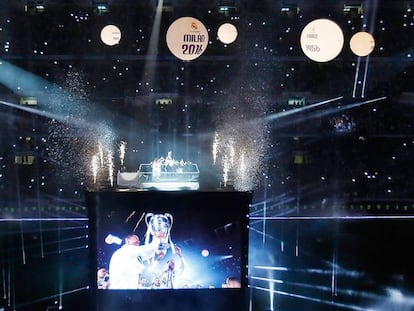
(170,278)
(126,264)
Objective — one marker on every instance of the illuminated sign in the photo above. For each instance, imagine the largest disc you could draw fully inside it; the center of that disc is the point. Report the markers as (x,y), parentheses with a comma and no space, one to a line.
(28,100)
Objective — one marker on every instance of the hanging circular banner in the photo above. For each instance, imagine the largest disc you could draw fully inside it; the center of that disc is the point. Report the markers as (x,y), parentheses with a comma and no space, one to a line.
(322,40)
(227,33)
(187,38)
(110,35)
(362,43)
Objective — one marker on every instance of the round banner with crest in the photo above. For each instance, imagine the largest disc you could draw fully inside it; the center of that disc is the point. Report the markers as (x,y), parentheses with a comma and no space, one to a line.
(187,38)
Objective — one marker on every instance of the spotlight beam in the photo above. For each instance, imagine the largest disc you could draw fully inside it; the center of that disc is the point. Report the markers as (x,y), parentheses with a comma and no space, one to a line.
(345,292)
(364,83)
(49,115)
(262,233)
(25,83)
(335,304)
(149,68)
(366,217)
(60,104)
(280,115)
(43,219)
(342,272)
(45,254)
(356,76)
(24,304)
(283,114)
(322,113)
(11,232)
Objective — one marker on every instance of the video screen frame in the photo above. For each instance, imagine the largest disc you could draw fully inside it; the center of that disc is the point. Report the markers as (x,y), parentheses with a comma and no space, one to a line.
(197,229)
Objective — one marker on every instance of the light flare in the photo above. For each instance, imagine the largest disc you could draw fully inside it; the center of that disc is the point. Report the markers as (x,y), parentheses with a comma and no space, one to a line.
(232,152)
(101,154)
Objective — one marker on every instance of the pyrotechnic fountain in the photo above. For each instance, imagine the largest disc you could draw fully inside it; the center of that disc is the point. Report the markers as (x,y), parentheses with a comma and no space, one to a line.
(110,170)
(94,167)
(122,151)
(240,158)
(216,143)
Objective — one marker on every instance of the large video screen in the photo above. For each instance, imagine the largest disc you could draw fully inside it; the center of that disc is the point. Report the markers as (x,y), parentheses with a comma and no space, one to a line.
(151,241)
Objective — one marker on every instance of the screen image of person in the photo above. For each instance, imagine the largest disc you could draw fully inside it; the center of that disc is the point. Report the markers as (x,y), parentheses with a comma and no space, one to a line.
(126,263)
(173,272)
(204,252)
(102,278)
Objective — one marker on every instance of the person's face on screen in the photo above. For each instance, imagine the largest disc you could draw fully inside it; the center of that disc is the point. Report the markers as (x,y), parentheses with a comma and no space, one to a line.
(157,282)
(132,240)
(102,273)
(171,264)
(161,254)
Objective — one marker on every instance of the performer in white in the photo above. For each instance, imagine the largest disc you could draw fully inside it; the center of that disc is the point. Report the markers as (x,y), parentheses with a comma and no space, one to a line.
(171,275)
(169,162)
(125,266)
